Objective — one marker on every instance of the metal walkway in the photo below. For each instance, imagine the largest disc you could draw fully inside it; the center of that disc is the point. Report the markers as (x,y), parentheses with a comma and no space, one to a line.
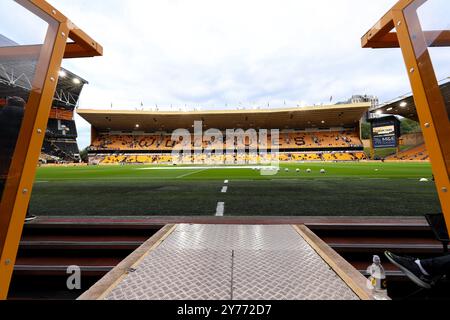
(228,262)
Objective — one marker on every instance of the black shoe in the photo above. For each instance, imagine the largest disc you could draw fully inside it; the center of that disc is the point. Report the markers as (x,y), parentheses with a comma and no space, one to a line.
(30,218)
(411,269)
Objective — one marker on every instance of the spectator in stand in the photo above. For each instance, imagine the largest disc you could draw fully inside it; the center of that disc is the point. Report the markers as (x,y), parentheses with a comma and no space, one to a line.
(11,117)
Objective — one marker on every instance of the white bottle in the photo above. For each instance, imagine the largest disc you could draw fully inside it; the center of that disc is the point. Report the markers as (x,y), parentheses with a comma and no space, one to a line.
(377,279)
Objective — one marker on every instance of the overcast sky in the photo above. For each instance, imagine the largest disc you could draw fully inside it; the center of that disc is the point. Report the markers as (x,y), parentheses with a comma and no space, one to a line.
(212,53)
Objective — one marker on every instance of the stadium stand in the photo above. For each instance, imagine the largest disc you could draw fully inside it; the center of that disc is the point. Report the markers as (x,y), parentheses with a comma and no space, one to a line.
(305,134)
(287,157)
(60,145)
(306,157)
(59,151)
(57,128)
(163,142)
(60,140)
(132,149)
(418,153)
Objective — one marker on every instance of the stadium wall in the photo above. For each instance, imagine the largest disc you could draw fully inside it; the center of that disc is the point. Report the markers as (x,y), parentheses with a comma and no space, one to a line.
(412,139)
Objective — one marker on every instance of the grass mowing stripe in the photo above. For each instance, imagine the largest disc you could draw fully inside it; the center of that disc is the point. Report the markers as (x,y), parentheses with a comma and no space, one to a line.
(346,189)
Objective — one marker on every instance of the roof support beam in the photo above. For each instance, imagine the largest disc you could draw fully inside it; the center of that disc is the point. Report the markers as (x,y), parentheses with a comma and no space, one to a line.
(390,40)
(73,50)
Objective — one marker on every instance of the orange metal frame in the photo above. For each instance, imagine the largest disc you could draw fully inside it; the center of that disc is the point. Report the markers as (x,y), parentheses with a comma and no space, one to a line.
(430,105)
(434,120)
(19,183)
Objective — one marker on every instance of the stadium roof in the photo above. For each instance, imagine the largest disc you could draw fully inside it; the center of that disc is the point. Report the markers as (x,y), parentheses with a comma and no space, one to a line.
(405,106)
(291,118)
(16,76)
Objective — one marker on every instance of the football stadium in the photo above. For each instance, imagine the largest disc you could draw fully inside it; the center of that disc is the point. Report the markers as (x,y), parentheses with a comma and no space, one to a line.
(321,157)
(291,202)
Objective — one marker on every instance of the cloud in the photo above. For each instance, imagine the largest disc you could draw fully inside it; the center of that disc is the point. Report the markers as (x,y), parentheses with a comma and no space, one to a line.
(20,25)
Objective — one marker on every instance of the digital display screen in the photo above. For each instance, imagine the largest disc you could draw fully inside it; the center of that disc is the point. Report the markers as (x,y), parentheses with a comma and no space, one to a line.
(384,134)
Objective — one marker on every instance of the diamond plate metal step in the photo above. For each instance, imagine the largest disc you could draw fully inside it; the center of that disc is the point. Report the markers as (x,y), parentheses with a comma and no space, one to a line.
(225,262)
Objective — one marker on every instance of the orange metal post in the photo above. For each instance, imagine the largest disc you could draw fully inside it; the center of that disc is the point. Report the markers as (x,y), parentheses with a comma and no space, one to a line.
(430,104)
(19,183)
(17,193)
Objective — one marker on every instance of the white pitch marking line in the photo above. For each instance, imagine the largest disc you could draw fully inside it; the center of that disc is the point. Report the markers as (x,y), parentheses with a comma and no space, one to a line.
(224,189)
(203,167)
(220,209)
(189,173)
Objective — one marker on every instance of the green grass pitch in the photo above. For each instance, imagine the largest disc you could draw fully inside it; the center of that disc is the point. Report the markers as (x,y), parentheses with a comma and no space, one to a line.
(346,189)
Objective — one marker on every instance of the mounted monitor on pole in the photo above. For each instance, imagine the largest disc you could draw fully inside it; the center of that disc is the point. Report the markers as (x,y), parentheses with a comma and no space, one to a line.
(385,132)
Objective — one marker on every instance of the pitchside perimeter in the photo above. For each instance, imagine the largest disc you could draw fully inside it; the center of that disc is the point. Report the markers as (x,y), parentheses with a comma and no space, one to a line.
(232,262)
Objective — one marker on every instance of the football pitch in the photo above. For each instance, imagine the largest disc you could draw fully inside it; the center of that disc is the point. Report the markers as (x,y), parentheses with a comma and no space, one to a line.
(346,189)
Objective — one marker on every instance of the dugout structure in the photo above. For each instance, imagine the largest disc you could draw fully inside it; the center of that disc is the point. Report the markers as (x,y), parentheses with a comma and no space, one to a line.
(401,27)
(51,38)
